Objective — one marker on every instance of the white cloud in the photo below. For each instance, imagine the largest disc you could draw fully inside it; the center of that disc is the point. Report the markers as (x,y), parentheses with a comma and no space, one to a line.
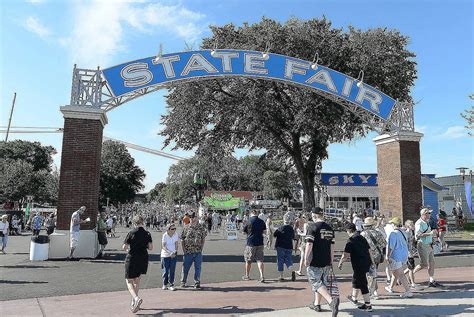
(421,128)
(454,132)
(99,27)
(33,25)
(34,1)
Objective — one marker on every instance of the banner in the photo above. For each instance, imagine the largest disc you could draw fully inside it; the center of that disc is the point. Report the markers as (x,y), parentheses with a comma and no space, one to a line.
(468,187)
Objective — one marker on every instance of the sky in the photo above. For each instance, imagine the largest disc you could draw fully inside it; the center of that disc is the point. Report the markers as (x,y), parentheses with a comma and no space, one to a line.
(41,40)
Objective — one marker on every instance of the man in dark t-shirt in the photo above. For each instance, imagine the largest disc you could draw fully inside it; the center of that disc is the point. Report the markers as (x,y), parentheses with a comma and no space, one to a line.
(284,246)
(318,257)
(254,248)
(357,249)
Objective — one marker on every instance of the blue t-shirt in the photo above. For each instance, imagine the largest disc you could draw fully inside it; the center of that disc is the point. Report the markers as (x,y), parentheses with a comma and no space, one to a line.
(284,237)
(254,231)
(397,242)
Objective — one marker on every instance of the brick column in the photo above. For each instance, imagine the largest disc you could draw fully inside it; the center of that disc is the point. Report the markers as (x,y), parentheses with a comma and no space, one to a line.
(80,164)
(399,174)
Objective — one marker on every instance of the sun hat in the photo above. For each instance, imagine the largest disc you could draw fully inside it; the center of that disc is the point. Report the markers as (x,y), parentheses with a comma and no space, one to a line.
(369,221)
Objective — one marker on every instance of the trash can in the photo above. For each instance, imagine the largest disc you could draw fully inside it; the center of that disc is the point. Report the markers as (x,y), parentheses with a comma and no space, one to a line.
(39,248)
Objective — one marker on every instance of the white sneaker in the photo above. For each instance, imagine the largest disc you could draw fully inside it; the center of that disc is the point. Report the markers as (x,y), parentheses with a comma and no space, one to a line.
(375,295)
(416,287)
(171,288)
(165,287)
(407,295)
(389,289)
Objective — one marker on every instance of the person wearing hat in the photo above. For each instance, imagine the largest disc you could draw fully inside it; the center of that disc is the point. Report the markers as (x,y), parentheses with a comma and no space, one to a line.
(424,238)
(193,238)
(377,244)
(397,256)
(357,249)
(318,258)
(4,225)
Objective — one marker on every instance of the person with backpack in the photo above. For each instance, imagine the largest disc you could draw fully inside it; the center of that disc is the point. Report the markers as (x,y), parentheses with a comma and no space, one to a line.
(397,256)
(377,244)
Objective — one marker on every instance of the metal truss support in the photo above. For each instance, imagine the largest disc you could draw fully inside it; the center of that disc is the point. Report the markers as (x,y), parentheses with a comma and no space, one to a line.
(89,89)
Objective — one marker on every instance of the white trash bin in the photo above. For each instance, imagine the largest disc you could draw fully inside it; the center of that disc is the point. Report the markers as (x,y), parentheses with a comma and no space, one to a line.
(39,248)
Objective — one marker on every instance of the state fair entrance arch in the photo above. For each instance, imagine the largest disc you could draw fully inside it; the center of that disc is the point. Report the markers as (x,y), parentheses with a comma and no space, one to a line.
(95,92)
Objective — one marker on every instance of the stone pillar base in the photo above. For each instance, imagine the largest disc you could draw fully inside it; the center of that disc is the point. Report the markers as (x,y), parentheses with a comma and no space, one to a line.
(399,174)
(59,245)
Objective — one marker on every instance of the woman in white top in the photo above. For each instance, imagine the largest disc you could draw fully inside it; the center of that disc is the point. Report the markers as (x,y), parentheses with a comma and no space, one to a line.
(169,251)
(4,232)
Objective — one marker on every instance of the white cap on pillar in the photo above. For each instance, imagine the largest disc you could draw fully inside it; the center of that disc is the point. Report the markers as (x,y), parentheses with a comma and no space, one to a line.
(400,136)
(87,113)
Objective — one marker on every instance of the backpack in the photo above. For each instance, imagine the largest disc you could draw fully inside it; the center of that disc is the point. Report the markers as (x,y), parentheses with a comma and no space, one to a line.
(379,254)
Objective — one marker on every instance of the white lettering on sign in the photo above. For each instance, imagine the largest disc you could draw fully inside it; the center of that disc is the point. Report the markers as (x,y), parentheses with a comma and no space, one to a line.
(198,62)
(348,179)
(371,96)
(254,63)
(226,60)
(167,63)
(333,180)
(295,67)
(322,77)
(346,89)
(365,179)
(136,75)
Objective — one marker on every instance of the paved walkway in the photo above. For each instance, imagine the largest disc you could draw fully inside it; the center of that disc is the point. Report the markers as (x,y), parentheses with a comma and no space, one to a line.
(251,298)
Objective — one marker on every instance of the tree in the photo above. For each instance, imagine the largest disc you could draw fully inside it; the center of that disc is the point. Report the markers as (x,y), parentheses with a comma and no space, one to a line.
(291,123)
(276,185)
(17,179)
(39,156)
(158,193)
(120,178)
(468,115)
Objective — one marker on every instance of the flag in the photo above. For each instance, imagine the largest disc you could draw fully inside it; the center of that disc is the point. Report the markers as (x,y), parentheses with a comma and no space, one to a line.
(467,187)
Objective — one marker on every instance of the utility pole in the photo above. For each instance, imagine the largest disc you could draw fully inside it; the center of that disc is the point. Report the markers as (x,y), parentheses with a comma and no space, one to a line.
(11,114)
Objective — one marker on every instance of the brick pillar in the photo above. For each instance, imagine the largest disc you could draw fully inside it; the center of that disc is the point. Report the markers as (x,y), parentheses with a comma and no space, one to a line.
(80,164)
(399,174)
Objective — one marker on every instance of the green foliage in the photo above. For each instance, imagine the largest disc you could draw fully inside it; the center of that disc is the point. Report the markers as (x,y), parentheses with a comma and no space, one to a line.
(25,169)
(292,124)
(468,115)
(158,193)
(120,178)
(276,185)
(39,156)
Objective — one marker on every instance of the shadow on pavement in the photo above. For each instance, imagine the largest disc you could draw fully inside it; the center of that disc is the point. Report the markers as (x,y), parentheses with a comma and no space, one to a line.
(21,282)
(225,310)
(28,267)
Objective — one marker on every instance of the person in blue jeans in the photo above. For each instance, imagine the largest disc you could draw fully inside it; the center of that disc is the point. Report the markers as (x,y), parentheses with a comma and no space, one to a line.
(169,250)
(284,246)
(192,239)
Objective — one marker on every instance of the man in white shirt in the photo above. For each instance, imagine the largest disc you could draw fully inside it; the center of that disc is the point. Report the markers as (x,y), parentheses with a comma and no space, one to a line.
(109,224)
(358,222)
(75,229)
(263,216)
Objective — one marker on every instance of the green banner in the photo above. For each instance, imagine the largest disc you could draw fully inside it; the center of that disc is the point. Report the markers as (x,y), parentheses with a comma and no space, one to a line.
(222,202)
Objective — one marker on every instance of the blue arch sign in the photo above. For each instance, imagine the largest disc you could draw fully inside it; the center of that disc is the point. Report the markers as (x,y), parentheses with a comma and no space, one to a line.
(128,77)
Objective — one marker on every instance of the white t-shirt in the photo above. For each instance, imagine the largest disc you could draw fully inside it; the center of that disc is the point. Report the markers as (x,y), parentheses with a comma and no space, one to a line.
(109,223)
(4,227)
(263,216)
(170,244)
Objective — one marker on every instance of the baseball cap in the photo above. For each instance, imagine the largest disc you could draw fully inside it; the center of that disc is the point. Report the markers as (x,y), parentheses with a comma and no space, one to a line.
(425,211)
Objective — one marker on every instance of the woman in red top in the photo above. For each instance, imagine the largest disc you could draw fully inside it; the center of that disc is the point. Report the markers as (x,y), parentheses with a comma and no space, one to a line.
(442,231)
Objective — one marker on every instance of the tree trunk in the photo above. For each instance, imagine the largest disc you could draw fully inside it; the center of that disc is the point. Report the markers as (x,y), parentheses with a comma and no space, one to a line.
(308,191)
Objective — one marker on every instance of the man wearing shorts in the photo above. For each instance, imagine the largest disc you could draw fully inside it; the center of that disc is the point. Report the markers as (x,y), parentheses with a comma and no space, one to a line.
(75,229)
(424,236)
(318,258)
(254,248)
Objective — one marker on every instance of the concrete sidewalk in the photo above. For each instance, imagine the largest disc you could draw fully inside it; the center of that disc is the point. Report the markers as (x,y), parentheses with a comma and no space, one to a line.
(255,299)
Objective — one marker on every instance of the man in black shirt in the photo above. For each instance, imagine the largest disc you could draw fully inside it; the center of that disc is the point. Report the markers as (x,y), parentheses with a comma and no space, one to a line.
(318,257)
(284,246)
(357,249)
(254,248)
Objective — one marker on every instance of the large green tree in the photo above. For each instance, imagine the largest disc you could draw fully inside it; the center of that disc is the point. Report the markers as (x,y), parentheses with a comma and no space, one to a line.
(25,169)
(291,123)
(120,178)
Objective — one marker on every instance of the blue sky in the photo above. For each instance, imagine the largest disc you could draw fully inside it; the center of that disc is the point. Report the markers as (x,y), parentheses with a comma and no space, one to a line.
(41,40)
